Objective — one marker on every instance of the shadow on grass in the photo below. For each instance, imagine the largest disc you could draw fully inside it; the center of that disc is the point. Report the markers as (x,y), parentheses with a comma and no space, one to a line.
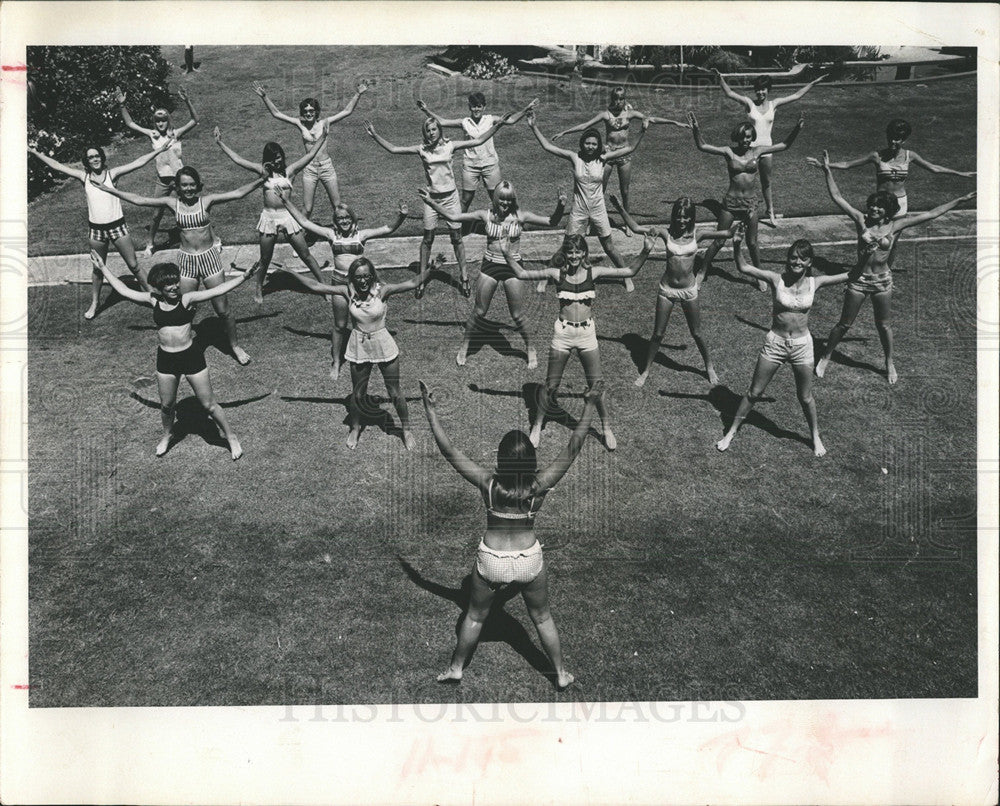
(725,401)
(372,411)
(637,347)
(489,334)
(840,358)
(499,624)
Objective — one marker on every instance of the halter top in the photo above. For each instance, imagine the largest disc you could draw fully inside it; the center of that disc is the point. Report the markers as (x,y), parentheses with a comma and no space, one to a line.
(527,516)
(496,231)
(893,170)
(178,316)
(194,217)
(795,299)
(679,249)
(368,314)
(584,291)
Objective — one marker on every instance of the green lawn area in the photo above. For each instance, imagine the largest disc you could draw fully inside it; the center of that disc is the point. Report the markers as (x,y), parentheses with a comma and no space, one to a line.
(308,573)
(847,120)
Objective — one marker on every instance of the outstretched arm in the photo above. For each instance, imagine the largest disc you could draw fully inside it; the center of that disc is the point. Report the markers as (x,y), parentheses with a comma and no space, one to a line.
(550,476)
(630,222)
(798,94)
(541,221)
(392,149)
(275,112)
(306,158)
(748,268)
(845,164)
(632,269)
(516,117)
(304,222)
(787,142)
(343,113)
(467,469)
(389,289)
(937,169)
(671,121)
(388,229)
(312,284)
(549,273)
(134,198)
(232,195)
(559,152)
(257,168)
(450,215)
(913,219)
(442,122)
(55,165)
(179,133)
(210,293)
(729,93)
(700,144)
(141,297)
(601,116)
(501,122)
(136,164)
(856,215)
(120,100)
(713,234)
(621,152)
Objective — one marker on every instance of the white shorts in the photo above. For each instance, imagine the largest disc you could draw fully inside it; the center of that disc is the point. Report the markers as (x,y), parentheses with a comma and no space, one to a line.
(449,201)
(794,351)
(581,217)
(472,175)
(571,336)
(679,294)
(273,220)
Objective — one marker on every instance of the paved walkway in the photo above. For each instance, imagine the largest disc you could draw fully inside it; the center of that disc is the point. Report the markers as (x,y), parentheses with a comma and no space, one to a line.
(391,253)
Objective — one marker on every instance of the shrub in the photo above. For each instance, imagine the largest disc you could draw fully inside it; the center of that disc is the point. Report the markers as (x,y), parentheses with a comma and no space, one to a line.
(617,54)
(73,104)
(490,64)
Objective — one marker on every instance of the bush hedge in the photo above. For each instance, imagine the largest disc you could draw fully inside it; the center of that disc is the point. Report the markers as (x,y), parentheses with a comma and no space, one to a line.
(72,104)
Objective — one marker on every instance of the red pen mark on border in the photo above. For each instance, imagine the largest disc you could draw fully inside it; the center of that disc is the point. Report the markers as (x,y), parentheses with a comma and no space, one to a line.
(15,67)
(20,687)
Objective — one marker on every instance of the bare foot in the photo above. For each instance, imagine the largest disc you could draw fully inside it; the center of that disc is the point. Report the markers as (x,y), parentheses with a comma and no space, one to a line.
(629,285)
(540,288)
(91,312)
(532,358)
(641,380)
(819,449)
(163,445)
(890,370)
(258,295)
(821,367)
(241,356)
(450,676)
(352,439)
(564,679)
(771,219)
(461,356)
(148,251)
(409,440)
(235,448)
(609,439)
(761,285)
(713,376)
(334,371)
(535,435)
(723,443)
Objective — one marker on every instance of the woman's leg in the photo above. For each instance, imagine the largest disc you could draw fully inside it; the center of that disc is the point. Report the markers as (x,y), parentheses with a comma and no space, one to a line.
(360,373)
(426,244)
(804,389)
(751,236)
(341,315)
(486,287)
(536,599)
(126,249)
(514,289)
(390,374)
(310,178)
(664,307)
(762,375)
(725,221)
(480,599)
(266,253)
(692,312)
(553,377)
(591,360)
(154,227)
(332,187)
(615,258)
(459,246)
(298,242)
(221,305)
(852,304)
(96,279)
(766,166)
(624,183)
(201,382)
(882,306)
(167,386)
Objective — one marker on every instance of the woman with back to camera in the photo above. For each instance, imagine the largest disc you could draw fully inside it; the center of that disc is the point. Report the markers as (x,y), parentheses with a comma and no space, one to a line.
(509,553)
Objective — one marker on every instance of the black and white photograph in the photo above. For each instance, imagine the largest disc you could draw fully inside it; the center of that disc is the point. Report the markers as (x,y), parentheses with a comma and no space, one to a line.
(461,402)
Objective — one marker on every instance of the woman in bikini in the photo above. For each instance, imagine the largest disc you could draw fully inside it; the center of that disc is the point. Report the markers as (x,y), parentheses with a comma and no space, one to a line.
(575,330)
(178,354)
(104,212)
(435,154)
(503,222)
(616,119)
(788,340)
(877,228)
(760,115)
(347,243)
(740,202)
(274,218)
(199,257)
(589,163)
(680,280)
(169,162)
(370,343)
(312,127)
(509,553)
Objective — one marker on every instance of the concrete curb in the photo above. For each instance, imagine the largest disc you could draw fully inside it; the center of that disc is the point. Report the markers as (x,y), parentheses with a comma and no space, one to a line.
(397,253)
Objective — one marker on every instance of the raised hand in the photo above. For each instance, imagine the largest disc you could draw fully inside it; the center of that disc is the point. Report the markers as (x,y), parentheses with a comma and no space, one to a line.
(530,117)
(428,395)
(257,87)
(403,209)
(423,107)
(119,96)
(561,197)
(217,135)
(362,88)
(648,242)
(424,193)
(182,93)
(369,127)
(692,120)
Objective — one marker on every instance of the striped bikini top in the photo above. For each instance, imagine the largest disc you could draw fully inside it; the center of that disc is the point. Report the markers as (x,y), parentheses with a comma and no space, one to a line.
(679,249)
(533,503)
(193,218)
(496,231)
(893,170)
(346,249)
(584,291)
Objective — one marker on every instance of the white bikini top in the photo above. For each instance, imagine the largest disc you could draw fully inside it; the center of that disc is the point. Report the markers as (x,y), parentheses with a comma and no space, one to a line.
(797,298)
(681,249)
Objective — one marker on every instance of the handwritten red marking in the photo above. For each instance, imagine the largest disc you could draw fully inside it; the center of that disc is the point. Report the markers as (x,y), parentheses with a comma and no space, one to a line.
(21,687)
(15,67)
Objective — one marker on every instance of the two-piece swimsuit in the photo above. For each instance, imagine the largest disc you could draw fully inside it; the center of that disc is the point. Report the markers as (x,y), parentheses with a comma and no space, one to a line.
(679,249)
(494,263)
(500,568)
(617,131)
(188,361)
(276,218)
(870,243)
(894,170)
(197,265)
(741,204)
(794,299)
(575,335)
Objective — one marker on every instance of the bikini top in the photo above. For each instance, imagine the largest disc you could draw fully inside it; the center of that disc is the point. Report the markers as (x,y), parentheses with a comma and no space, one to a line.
(871,241)
(497,230)
(278,186)
(584,291)
(681,249)
(795,299)
(744,165)
(311,134)
(620,122)
(528,516)
(346,244)
(192,218)
(178,316)
(893,170)
(369,313)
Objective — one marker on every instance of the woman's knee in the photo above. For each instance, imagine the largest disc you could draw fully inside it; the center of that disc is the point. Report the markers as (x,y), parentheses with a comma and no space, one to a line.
(539,615)
(428,238)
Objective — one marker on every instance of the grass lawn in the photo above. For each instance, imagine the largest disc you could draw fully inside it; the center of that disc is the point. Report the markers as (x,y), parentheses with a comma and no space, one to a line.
(849,121)
(308,573)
